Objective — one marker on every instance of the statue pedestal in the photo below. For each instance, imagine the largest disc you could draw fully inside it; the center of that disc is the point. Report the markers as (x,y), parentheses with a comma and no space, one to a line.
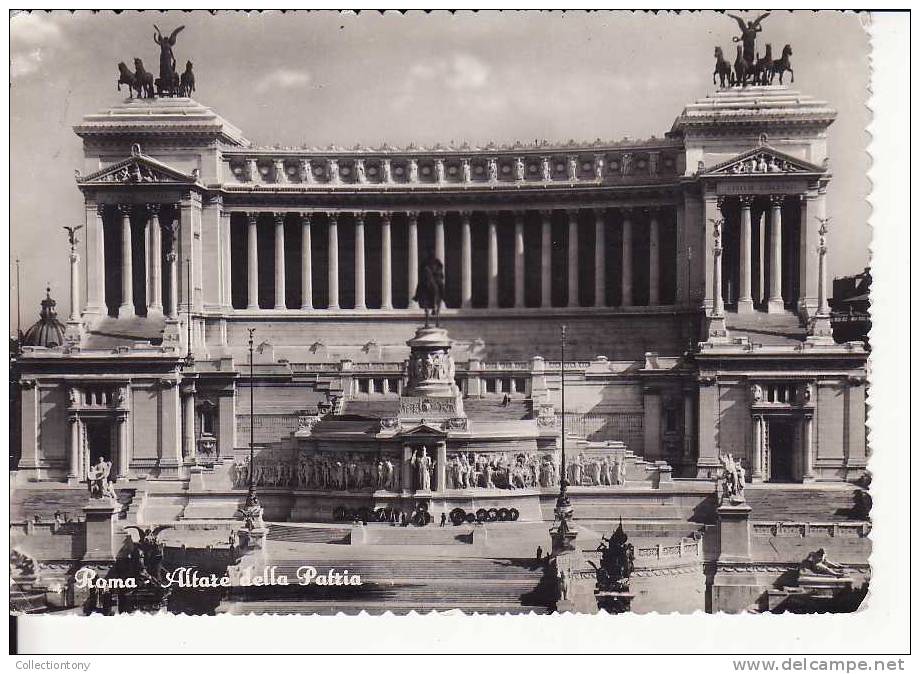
(100,530)
(579,583)
(824,586)
(734,532)
(736,584)
(431,367)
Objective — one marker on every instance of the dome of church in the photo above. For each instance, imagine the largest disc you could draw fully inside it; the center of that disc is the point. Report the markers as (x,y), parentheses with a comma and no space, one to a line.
(48,331)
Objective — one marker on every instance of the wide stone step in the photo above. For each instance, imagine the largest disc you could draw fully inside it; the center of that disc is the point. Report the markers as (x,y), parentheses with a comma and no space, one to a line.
(25,504)
(280,532)
(802,505)
(422,569)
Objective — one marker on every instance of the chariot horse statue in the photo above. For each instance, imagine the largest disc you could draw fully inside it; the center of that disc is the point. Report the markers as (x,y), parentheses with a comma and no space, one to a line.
(168,83)
(430,290)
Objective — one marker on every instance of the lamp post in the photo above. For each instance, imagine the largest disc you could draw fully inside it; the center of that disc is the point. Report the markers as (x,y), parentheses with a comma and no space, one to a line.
(251,414)
(563,536)
(252,509)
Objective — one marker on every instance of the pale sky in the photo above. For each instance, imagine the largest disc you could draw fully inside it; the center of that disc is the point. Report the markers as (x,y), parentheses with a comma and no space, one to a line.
(321,78)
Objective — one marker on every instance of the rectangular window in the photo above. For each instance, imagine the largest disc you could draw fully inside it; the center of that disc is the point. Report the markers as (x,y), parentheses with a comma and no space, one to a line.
(364,385)
(491,385)
(378,385)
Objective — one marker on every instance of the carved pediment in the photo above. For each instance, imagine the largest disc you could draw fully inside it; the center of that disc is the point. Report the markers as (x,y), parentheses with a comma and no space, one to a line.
(138,169)
(423,430)
(763,160)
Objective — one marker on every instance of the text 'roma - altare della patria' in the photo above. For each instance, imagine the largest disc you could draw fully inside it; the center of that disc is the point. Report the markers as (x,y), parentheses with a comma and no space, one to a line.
(553,376)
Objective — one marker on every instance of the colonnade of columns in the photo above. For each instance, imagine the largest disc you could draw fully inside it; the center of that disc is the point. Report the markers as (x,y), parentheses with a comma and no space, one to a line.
(772,266)
(155,233)
(357,220)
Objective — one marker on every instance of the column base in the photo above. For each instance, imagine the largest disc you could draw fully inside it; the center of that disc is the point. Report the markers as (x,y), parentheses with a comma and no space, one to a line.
(73,333)
(716,329)
(252,307)
(746,306)
(707,468)
(820,331)
(126,311)
(280,307)
(306,307)
(775,306)
(155,311)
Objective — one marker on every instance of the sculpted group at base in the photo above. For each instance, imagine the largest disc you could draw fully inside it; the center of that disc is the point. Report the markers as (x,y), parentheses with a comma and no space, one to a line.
(189,577)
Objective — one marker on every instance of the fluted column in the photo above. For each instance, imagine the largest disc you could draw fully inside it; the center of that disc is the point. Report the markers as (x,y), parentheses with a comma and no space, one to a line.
(74,471)
(172,258)
(412,266)
(386,265)
(626,280)
(775,302)
(718,304)
(333,255)
(493,260)
(654,259)
(466,261)
(573,257)
(94,217)
(823,308)
(519,259)
(439,238)
(441,466)
(126,310)
(808,453)
(280,290)
(155,292)
(188,422)
(74,285)
(306,263)
(745,297)
(124,437)
(253,266)
(757,467)
(600,258)
(226,261)
(360,301)
(546,259)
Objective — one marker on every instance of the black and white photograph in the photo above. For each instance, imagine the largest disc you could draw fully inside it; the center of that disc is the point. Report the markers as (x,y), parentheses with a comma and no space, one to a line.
(496,313)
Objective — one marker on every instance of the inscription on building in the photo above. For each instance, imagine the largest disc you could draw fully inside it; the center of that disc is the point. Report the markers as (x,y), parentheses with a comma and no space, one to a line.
(759,187)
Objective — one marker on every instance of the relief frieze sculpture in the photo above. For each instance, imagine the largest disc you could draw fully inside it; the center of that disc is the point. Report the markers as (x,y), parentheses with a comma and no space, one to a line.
(344,471)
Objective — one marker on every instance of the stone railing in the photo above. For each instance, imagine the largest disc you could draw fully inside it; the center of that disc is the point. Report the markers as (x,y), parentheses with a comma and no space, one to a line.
(462,167)
(569,365)
(808,529)
(505,366)
(685,547)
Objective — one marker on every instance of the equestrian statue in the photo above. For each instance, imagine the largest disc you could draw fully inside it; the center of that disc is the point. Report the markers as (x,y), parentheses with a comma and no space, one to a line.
(430,290)
(170,83)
